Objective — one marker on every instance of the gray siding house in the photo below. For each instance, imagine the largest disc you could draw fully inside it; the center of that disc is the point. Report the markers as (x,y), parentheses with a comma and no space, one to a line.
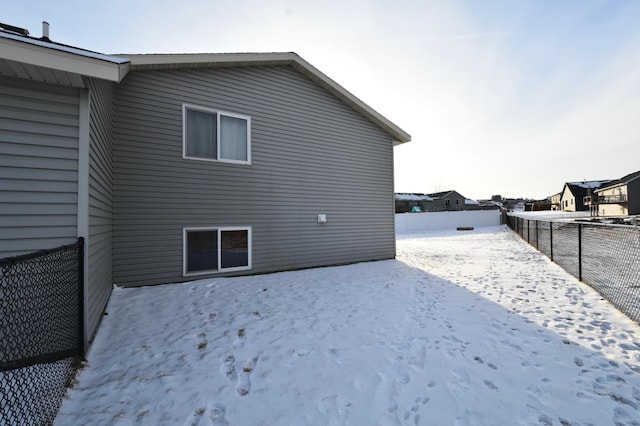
(55,155)
(309,149)
(448,201)
(180,167)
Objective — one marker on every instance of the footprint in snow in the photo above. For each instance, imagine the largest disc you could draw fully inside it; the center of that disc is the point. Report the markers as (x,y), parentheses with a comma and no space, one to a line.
(202,344)
(304,350)
(404,378)
(211,319)
(229,368)
(243,385)
(239,342)
(421,399)
(490,385)
(216,414)
(213,415)
(462,378)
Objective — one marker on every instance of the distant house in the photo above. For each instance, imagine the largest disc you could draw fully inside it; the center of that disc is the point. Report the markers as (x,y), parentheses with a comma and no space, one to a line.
(438,202)
(617,198)
(406,202)
(187,166)
(537,205)
(555,201)
(471,204)
(488,205)
(573,193)
(448,201)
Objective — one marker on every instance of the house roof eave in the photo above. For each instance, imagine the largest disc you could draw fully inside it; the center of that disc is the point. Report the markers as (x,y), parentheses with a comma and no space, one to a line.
(40,53)
(623,181)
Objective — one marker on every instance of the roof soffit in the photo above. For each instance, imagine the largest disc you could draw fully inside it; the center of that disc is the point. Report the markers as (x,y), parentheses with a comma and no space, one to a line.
(36,53)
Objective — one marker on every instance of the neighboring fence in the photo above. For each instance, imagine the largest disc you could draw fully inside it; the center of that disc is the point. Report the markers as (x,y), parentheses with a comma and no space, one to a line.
(429,221)
(41,332)
(607,257)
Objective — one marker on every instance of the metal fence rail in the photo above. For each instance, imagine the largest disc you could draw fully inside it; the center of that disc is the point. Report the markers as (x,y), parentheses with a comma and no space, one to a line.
(607,257)
(41,332)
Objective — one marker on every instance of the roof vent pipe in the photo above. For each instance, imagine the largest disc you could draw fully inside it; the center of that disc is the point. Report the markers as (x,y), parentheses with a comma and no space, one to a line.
(45,30)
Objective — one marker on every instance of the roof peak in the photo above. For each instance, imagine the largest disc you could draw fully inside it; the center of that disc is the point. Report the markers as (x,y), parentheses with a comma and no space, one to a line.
(173,61)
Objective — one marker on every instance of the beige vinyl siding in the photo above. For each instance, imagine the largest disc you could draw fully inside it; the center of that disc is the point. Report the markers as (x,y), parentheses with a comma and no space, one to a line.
(568,199)
(38,166)
(310,154)
(99,241)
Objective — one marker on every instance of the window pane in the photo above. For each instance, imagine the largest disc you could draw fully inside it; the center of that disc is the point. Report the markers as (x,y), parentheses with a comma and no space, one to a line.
(202,250)
(233,138)
(201,134)
(234,249)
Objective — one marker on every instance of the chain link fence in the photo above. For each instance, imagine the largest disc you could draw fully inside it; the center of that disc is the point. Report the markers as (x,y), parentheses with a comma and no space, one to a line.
(41,332)
(607,257)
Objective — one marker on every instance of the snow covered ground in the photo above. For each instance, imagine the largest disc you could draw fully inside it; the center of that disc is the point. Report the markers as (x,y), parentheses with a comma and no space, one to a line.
(555,215)
(464,328)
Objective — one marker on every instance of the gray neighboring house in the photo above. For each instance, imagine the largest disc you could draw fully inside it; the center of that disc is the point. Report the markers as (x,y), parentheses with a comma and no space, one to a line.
(188,166)
(447,201)
(408,202)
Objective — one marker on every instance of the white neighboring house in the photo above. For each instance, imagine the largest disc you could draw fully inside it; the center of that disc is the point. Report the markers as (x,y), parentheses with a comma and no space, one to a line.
(573,194)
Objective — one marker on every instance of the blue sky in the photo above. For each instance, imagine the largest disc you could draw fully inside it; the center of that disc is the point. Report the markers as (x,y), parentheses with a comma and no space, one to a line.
(500,97)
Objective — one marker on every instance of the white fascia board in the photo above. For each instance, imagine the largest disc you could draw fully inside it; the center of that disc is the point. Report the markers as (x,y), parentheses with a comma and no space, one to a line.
(61,58)
(142,61)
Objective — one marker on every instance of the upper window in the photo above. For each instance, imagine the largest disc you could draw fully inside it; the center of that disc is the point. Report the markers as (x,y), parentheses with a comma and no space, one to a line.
(216,135)
(210,250)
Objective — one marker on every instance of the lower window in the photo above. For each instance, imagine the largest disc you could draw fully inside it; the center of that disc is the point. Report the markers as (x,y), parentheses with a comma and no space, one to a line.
(209,250)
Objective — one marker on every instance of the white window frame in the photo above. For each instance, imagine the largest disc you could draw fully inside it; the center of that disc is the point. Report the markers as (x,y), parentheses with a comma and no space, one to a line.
(219,230)
(217,113)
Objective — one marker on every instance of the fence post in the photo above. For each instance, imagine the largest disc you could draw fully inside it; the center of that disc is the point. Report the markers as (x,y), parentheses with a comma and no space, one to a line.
(551,238)
(81,296)
(580,251)
(537,244)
